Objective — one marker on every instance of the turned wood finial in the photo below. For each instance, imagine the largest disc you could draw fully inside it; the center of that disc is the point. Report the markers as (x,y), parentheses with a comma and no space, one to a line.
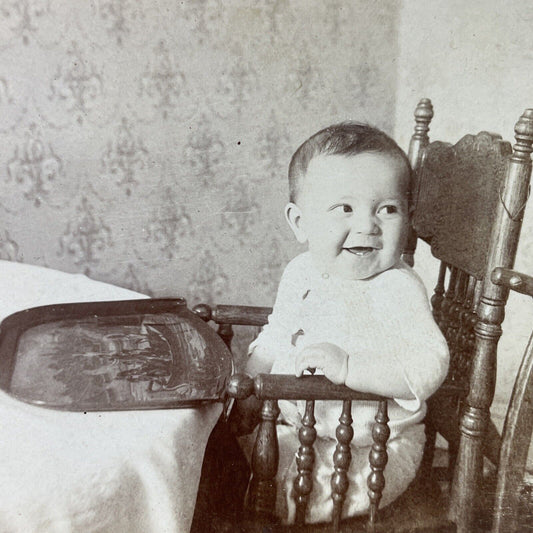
(420,138)
(423,116)
(424,110)
(240,386)
(203,311)
(524,136)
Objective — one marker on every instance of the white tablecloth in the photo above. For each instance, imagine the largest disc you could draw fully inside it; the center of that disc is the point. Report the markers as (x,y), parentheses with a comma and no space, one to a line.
(129,471)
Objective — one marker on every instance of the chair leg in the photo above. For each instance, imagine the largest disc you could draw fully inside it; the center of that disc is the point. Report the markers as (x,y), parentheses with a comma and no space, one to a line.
(261,496)
(492,445)
(453,450)
(429,453)
(223,483)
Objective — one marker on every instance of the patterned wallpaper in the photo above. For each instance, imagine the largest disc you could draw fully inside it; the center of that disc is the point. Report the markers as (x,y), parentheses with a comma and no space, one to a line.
(145,142)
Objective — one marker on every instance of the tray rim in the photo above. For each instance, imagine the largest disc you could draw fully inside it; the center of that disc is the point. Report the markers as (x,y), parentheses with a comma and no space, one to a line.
(13,326)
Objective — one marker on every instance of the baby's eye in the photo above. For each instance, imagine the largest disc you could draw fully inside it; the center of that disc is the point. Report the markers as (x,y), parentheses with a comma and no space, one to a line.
(388,209)
(343,208)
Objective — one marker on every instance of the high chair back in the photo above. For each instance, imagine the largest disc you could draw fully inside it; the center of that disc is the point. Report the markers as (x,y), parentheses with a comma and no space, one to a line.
(469,201)
(469,205)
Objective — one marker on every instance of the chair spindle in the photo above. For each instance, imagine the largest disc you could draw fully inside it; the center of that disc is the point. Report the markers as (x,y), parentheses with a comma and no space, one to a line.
(431,433)
(438,295)
(465,335)
(454,325)
(378,458)
(445,314)
(305,459)
(342,458)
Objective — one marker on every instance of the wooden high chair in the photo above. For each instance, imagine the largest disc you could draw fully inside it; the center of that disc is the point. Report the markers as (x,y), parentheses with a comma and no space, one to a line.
(469,202)
(514,492)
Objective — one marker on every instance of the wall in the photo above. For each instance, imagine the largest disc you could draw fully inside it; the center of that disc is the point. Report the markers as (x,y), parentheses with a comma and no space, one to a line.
(145,143)
(474,60)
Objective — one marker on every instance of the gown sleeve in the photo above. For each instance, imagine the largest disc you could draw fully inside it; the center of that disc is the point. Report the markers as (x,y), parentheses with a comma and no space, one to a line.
(277,336)
(420,346)
(411,344)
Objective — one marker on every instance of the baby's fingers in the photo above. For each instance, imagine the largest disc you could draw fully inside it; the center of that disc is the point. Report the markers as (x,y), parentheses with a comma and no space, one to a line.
(307,359)
(301,369)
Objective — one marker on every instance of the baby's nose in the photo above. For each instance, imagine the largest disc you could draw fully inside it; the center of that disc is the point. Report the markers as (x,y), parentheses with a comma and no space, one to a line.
(364,223)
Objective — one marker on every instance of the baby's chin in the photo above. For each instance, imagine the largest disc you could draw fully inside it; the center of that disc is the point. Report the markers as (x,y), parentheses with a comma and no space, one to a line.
(362,274)
(354,268)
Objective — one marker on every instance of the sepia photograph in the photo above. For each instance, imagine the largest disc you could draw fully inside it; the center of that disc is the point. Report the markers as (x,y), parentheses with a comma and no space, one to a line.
(266,266)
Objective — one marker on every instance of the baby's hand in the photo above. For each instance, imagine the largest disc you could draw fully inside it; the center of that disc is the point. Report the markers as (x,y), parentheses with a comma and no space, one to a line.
(331,359)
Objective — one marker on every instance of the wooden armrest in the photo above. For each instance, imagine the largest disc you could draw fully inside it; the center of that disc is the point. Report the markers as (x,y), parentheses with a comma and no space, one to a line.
(513,280)
(283,386)
(262,489)
(245,315)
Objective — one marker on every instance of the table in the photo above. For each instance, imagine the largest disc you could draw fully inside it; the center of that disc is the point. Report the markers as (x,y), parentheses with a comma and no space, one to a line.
(128,471)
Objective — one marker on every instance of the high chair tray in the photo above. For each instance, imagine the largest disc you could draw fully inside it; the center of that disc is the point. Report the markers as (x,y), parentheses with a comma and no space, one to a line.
(130,354)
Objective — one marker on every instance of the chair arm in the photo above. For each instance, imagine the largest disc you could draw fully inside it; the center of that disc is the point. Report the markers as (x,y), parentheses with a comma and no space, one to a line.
(283,386)
(269,388)
(245,315)
(513,280)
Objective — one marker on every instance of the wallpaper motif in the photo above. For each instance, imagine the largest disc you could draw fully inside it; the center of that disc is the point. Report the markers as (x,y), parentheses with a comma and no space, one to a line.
(85,236)
(124,155)
(146,143)
(76,84)
(34,167)
(162,82)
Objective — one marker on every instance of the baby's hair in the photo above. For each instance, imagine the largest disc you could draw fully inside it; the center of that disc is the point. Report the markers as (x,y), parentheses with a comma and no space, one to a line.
(347,138)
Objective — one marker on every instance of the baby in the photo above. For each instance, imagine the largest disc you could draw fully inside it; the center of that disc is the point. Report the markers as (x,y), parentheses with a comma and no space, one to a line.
(350,308)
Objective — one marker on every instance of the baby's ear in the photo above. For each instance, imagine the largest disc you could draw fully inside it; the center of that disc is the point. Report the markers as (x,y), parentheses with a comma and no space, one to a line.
(293,214)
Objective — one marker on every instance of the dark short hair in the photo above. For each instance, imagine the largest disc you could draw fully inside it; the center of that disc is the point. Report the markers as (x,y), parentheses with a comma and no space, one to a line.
(347,138)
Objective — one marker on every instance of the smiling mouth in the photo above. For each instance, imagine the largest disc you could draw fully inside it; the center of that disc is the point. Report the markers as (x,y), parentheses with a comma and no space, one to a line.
(360,250)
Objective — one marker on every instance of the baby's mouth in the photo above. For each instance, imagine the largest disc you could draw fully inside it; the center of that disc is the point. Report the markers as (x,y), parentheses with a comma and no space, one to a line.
(360,250)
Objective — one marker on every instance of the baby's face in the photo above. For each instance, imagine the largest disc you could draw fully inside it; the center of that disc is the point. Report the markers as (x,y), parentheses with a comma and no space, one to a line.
(353,213)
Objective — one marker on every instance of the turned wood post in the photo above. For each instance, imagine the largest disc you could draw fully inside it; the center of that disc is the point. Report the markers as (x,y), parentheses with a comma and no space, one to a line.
(419,140)
(305,459)
(342,457)
(265,458)
(438,293)
(204,311)
(517,430)
(446,304)
(378,458)
(514,193)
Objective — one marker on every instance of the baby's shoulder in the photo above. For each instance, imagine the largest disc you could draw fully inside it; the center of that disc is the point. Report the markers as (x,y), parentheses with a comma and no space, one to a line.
(299,267)
(297,277)
(401,273)
(403,281)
